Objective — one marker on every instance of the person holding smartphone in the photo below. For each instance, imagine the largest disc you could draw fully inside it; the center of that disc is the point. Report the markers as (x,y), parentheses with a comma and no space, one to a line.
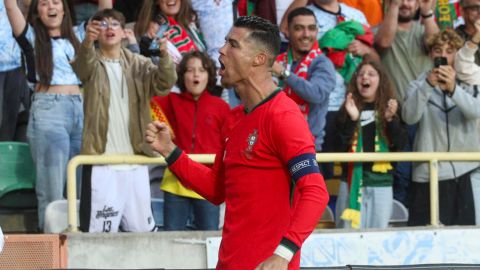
(446,112)
(118,86)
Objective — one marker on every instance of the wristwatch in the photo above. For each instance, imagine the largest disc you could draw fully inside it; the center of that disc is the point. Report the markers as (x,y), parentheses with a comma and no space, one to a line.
(426,16)
(285,74)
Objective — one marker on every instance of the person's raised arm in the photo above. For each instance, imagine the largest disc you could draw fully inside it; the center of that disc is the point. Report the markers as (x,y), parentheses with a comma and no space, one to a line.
(426,12)
(104,4)
(388,28)
(15,16)
(82,64)
(467,70)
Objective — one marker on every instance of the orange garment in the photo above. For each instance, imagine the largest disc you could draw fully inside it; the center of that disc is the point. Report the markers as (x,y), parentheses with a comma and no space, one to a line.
(373,9)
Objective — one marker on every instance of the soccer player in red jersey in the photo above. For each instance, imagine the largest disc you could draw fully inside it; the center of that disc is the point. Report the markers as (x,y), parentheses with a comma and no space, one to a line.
(266,170)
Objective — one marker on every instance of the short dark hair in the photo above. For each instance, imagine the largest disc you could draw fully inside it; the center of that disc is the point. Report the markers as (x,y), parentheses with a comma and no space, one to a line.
(109,13)
(207,64)
(301,11)
(263,32)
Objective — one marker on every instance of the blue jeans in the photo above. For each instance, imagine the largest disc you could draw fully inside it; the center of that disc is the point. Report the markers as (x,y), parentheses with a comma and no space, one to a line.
(376,208)
(403,171)
(55,134)
(178,209)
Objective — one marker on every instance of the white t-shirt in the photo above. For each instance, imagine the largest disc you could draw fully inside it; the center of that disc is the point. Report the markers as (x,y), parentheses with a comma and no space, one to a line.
(327,20)
(281,6)
(118,136)
(9,49)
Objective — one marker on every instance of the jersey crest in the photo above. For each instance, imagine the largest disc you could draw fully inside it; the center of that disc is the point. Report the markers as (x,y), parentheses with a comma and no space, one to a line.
(251,140)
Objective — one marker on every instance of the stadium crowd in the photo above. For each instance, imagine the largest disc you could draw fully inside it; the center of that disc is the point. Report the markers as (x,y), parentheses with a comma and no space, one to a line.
(87,77)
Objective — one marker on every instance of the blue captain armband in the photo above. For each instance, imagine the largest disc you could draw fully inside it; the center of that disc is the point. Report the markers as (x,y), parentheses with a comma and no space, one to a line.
(302,165)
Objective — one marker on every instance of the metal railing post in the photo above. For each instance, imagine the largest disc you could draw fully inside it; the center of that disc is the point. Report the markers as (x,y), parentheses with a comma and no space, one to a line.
(434,200)
(72,194)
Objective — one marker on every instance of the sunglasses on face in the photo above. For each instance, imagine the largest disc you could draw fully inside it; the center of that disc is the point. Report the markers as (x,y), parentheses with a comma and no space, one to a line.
(113,25)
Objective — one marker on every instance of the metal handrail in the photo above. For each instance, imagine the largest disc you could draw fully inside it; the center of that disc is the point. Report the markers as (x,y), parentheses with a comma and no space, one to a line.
(432,157)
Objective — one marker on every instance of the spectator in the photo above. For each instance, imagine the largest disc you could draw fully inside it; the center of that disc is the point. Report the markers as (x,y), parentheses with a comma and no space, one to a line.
(372,10)
(465,62)
(368,122)
(306,75)
(56,118)
(468,71)
(196,118)
(470,13)
(13,84)
(182,30)
(446,113)
(266,149)
(400,40)
(215,19)
(118,87)
(272,10)
(329,13)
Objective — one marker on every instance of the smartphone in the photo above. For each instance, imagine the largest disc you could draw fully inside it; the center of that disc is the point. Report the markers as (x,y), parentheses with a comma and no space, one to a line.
(161,20)
(440,61)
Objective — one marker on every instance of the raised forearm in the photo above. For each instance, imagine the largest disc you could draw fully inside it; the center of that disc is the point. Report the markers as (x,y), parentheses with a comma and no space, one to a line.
(387,30)
(15,16)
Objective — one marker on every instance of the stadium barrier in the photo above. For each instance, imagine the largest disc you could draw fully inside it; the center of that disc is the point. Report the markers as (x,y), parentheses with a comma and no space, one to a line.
(34,251)
(366,267)
(432,157)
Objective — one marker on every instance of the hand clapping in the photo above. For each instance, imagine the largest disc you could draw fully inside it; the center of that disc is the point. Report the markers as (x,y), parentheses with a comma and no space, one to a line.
(392,108)
(351,108)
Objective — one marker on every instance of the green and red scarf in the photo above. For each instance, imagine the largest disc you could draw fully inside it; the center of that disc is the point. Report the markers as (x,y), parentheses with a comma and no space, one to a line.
(179,37)
(301,71)
(335,44)
(447,13)
(355,173)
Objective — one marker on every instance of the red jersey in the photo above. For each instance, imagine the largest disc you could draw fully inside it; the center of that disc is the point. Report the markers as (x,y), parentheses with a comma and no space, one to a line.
(263,151)
(196,123)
